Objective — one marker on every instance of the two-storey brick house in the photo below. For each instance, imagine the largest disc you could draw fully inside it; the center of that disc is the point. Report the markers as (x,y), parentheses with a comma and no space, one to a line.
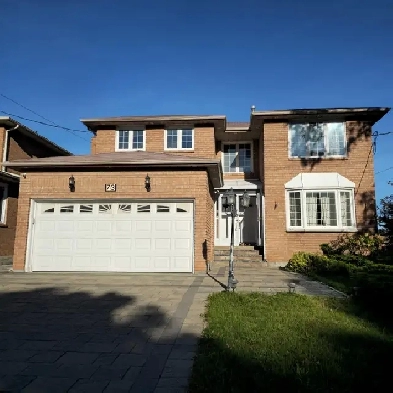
(149,196)
(16,142)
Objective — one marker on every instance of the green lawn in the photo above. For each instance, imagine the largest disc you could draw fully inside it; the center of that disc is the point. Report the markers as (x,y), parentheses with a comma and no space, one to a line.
(289,343)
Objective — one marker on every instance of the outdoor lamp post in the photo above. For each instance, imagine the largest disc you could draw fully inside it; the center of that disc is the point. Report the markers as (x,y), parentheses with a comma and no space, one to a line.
(229,202)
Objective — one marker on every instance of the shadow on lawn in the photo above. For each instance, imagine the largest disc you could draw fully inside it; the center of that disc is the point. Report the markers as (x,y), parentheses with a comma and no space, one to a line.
(52,340)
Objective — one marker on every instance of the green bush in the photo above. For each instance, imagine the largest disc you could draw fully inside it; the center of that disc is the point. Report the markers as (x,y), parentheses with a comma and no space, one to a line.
(355,244)
(300,262)
(303,262)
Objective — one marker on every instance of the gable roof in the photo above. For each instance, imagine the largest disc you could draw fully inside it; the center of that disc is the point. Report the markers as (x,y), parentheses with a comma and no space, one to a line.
(132,159)
(7,121)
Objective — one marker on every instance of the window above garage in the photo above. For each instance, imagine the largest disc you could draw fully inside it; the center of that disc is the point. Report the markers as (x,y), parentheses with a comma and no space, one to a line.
(130,140)
(179,139)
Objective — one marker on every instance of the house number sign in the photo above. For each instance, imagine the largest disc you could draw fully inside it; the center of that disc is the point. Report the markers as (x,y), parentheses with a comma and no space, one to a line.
(110,187)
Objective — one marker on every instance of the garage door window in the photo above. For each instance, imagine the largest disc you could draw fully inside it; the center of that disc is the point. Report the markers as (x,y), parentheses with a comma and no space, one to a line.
(163,208)
(104,208)
(124,208)
(67,209)
(182,208)
(48,208)
(86,209)
(143,209)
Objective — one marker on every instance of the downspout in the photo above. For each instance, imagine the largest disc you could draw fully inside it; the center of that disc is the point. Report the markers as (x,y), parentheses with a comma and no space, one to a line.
(5,147)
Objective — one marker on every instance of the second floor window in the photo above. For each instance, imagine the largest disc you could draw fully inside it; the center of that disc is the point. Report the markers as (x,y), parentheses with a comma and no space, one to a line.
(130,140)
(315,140)
(179,139)
(237,157)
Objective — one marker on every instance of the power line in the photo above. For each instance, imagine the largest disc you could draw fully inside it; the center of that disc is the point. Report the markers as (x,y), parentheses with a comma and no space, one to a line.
(24,107)
(365,167)
(53,124)
(384,170)
(72,131)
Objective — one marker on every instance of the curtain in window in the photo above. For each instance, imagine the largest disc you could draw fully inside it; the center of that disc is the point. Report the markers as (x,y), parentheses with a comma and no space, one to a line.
(321,209)
(311,209)
(346,213)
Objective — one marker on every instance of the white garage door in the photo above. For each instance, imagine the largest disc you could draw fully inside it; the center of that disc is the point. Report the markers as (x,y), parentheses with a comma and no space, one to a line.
(113,236)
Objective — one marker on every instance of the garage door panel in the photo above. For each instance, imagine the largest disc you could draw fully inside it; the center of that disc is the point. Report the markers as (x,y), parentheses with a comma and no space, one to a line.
(180,263)
(85,226)
(182,244)
(143,243)
(162,263)
(162,226)
(162,244)
(123,244)
(121,263)
(142,226)
(63,244)
(113,236)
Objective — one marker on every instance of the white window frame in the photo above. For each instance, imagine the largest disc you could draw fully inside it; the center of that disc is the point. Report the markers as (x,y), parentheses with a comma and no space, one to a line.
(4,203)
(319,228)
(131,137)
(179,139)
(237,156)
(325,141)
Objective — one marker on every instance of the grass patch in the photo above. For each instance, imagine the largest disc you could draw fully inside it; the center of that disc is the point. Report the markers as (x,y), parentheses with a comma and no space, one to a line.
(259,343)
(341,283)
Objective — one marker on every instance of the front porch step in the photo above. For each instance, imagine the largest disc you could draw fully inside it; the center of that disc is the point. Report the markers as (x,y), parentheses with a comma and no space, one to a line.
(240,258)
(245,255)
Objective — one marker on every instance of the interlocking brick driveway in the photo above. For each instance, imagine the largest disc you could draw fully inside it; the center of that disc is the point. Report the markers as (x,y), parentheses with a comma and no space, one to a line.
(109,332)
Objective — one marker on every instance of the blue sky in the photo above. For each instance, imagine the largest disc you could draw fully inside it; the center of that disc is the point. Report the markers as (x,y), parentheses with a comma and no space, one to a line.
(72,59)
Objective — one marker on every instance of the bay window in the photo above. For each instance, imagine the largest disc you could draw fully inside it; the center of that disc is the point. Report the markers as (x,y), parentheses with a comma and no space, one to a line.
(320,202)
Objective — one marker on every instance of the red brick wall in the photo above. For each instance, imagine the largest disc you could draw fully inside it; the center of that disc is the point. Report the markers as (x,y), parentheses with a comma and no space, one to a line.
(164,184)
(279,169)
(105,142)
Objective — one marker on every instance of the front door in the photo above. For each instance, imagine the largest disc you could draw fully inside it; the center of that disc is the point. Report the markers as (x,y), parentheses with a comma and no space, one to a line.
(246,223)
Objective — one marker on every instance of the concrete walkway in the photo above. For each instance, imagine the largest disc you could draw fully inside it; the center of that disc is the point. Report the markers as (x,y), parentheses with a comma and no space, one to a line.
(85,332)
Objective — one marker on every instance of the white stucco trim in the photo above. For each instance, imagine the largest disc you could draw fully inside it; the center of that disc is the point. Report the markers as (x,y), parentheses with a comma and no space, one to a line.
(314,181)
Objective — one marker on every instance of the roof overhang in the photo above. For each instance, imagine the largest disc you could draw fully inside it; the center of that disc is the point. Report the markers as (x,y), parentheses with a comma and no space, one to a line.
(368,114)
(9,177)
(94,124)
(213,167)
(8,122)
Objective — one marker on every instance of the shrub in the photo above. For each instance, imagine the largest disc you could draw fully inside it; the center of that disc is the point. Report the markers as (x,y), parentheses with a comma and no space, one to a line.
(358,244)
(299,262)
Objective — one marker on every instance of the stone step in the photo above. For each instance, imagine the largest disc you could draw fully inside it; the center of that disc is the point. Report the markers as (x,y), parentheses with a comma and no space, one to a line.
(219,258)
(246,253)
(236,247)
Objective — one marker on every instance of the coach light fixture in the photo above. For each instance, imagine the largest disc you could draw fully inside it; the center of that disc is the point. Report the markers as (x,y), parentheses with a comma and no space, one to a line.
(71,183)
(229,202)
(147,183)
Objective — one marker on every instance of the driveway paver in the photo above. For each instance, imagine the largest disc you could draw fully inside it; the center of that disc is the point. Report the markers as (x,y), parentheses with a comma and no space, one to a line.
(90,332)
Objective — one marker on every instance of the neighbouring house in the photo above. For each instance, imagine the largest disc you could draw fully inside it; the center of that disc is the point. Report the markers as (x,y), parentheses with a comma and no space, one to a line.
(17,142)
(148,198)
